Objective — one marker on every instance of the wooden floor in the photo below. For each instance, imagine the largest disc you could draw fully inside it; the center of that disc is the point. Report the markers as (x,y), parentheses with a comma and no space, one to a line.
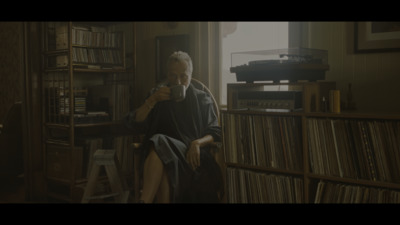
(12,190)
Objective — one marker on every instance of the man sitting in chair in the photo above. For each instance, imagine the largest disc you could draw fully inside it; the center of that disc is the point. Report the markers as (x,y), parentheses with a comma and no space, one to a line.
(176,162)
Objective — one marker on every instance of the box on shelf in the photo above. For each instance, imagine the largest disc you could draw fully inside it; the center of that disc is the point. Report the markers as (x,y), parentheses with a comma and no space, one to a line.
(61,37)
(61,60)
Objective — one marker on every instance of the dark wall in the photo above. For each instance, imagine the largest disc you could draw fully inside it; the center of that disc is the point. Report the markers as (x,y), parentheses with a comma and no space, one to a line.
(20,82)
(10,65)
(11,50)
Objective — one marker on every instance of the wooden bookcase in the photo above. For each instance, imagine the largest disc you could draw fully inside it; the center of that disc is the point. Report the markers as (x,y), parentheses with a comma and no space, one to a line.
(87,85)
(299,157)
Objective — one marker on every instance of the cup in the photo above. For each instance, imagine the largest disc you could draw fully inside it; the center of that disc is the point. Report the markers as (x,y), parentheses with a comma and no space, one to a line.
(178,92)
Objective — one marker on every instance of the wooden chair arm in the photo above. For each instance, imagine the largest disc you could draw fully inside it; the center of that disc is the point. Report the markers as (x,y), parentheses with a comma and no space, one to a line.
(217,145)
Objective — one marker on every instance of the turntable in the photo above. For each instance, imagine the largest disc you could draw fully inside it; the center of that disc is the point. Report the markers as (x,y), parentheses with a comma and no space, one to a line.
(291,64)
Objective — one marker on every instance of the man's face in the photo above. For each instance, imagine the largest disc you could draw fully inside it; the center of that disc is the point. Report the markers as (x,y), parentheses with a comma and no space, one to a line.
(178,74)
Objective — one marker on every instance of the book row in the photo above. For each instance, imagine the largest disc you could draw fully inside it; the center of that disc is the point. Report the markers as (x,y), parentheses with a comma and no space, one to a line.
(96,56)
(87,36)
(357,149)
(96,39)
(273,141)
(246,186)
(110,102)
(58,99)
(329,192)
(79,105)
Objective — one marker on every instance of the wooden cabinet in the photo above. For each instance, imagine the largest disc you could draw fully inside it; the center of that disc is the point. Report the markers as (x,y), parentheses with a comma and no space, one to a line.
(311,99)
(87,86)
(299,157)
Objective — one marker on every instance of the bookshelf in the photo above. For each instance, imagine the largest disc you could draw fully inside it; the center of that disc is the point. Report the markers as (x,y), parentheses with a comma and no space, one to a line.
(311,157)
(88,74)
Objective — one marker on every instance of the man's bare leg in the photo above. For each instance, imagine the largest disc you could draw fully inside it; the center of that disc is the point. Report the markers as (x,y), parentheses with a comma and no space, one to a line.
(152,176)
(163,192)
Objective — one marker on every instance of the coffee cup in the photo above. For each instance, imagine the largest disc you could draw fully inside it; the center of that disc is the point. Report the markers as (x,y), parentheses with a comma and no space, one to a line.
(178,92)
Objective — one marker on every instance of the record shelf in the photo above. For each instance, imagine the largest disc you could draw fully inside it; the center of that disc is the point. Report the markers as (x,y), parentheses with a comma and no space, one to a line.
(311,157)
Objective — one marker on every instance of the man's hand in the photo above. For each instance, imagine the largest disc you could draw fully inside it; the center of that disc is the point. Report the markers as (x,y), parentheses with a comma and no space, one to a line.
(162,94)
(193,155)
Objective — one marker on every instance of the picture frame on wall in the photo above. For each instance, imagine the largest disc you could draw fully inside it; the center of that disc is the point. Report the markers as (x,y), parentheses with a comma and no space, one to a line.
(165,46)
(376,36)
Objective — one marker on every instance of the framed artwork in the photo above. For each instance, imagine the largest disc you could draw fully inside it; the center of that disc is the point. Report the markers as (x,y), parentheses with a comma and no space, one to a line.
(165,46)
(376,36)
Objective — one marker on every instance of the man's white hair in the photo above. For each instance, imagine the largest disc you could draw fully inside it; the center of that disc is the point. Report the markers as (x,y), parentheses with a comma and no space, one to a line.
(181,57)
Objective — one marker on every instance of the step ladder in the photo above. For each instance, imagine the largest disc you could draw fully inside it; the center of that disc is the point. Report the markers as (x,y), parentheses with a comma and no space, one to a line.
(108,159)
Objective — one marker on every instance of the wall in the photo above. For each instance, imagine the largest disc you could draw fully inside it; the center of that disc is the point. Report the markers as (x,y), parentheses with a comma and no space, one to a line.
(374,76)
